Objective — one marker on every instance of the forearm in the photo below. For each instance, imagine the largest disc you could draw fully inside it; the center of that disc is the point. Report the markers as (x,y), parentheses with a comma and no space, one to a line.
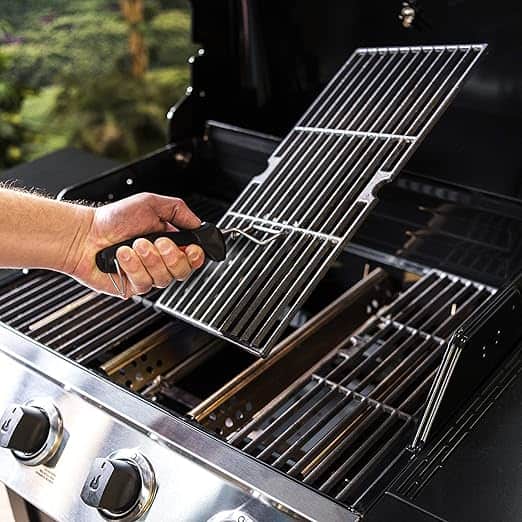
(40,233)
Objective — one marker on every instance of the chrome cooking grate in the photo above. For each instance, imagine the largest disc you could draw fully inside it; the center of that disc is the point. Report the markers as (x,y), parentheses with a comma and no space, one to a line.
(71,319)
(127,341)
(348,420)
(319,186)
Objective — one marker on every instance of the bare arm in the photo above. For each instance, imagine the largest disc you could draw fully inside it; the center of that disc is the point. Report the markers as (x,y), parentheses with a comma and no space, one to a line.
(42,233)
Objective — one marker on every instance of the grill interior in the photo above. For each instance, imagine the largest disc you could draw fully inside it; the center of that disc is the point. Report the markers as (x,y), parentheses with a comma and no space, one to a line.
(318,188)
(335,407)
(448,228)
(349,418)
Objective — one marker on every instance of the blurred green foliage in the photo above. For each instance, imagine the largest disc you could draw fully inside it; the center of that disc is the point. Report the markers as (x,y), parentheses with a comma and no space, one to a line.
(121,117)
(74,55)
(14,133)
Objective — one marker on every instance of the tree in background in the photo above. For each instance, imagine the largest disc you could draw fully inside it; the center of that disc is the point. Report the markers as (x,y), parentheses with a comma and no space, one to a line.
(105,71)
(132,11)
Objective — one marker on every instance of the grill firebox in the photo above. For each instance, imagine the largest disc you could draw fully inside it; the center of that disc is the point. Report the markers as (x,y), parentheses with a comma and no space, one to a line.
(353,393)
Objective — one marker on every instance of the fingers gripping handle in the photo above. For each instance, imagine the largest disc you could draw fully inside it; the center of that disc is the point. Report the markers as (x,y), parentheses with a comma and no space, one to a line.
(207,236)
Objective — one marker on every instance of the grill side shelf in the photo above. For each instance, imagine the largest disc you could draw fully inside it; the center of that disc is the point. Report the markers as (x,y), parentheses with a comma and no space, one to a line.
(473,353)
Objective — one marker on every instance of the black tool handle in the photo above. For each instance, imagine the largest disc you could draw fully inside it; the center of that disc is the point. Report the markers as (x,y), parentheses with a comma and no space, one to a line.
(207,236)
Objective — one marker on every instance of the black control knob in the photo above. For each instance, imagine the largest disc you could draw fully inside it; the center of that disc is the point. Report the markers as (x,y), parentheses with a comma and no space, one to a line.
(113,485)
(24,429)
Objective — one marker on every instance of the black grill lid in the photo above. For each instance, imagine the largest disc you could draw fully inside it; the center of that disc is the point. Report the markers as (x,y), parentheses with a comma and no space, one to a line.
(265,61)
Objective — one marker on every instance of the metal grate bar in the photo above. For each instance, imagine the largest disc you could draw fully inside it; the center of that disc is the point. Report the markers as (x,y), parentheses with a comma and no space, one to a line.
(21,290)
(381,430)
(92,328)
(412,293)
(343,445)
(285,226)
(114,335)
(102,316)
(77,303)
(424,298)
(427,312)
(277,402)
(72,319)
(361,134)
(374,461)
(43,332)
(35,297)
(50,305)
(356,417)
(327,415)
(407,370)
(330,441)
(390,362)
(462,311)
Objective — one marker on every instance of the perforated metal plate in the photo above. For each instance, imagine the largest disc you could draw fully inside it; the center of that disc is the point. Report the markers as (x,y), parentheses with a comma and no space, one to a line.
(318,188)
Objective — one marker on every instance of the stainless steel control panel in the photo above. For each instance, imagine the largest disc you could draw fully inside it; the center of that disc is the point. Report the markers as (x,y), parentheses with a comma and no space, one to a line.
(185,490)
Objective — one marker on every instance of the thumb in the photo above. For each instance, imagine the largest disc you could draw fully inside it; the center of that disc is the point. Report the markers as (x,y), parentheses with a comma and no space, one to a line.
(175,211)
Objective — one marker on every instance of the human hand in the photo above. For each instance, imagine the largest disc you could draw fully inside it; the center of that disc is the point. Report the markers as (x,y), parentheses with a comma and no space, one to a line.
(146,264)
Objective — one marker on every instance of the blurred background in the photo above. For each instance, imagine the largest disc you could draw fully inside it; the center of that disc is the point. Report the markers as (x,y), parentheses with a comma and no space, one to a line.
(95,74)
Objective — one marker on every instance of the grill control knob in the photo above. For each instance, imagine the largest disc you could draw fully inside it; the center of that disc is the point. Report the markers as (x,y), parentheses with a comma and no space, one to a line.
(23,428)
(120,486)
(113,485)
(32,431)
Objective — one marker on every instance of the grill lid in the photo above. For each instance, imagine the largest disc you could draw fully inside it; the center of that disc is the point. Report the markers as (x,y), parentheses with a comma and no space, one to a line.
(320,185)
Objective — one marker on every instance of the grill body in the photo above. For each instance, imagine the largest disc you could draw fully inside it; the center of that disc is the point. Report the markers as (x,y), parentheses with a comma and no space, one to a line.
(353,372)
(324,429)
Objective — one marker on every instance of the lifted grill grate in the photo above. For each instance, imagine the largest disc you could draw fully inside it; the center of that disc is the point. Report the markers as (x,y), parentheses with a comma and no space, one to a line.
(320,185)
(349,419)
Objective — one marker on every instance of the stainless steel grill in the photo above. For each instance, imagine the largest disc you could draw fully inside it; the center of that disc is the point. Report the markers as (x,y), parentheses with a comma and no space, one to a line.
(127,341)
(342,424)
(319,186)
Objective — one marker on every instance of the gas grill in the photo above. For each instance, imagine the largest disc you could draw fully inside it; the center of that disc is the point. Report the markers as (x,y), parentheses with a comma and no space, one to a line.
(391,389)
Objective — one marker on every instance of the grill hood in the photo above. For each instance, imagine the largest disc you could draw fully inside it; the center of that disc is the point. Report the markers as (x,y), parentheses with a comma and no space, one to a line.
(263,62)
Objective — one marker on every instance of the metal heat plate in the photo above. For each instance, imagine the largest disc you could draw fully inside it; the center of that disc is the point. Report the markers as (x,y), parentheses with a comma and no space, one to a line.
(320,184)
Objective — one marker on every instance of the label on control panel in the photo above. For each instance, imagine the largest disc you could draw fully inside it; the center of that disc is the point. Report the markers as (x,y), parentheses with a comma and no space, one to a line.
(46,474)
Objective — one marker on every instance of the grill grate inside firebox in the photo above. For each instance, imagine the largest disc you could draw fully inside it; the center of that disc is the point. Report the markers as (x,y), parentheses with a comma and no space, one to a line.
(73,320)
(351,418)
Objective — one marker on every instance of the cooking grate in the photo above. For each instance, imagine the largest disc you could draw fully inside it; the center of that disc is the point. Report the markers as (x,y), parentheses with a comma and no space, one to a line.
(320,184)
(73,320)
(346,421)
